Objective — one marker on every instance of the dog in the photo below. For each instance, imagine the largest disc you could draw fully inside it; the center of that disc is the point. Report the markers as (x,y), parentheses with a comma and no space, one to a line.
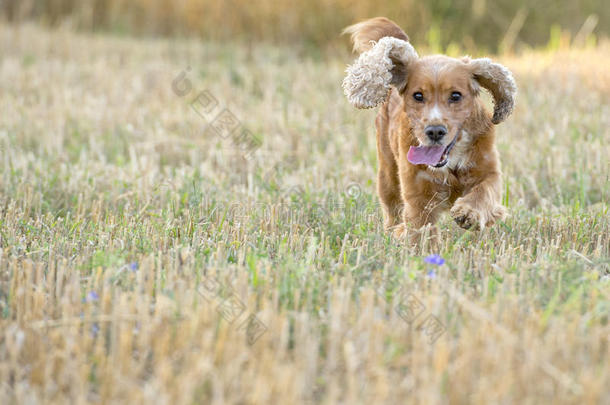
(435,138)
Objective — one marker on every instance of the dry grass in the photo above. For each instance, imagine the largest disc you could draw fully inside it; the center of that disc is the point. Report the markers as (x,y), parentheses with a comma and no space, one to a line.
(115,217)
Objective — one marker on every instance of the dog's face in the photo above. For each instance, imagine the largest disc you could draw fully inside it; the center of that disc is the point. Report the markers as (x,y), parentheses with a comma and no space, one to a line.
(439,97)
(439,92)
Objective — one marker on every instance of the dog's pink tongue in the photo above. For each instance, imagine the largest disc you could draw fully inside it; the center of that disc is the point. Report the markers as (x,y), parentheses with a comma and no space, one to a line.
(429,155)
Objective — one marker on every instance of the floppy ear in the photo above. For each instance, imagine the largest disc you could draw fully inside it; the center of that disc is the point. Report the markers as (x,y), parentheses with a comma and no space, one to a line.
(386,64)
(500,83)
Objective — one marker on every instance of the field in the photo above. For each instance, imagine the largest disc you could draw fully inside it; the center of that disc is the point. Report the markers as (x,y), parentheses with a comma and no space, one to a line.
(146,258)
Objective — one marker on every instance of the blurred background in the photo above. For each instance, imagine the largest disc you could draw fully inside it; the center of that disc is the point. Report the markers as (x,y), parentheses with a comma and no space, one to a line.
(450,26)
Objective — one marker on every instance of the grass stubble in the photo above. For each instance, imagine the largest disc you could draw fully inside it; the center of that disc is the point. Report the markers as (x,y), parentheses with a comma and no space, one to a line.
(144,259)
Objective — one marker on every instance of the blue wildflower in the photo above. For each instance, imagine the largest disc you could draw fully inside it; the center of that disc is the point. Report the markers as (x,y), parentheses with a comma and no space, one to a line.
(431,273)
(435,259)
(133,266)
(92,296)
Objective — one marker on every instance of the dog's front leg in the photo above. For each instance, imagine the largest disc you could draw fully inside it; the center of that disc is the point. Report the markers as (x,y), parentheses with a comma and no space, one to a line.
(480,205)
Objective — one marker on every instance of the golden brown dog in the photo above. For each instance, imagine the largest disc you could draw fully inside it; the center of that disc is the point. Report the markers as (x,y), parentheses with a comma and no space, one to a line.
(435,139)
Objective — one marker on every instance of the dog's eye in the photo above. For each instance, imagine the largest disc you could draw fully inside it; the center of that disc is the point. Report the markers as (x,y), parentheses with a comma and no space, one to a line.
(418,97)
(455,97)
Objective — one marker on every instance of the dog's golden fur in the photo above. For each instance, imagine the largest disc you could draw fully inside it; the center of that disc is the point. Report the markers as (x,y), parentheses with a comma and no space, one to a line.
(389,72)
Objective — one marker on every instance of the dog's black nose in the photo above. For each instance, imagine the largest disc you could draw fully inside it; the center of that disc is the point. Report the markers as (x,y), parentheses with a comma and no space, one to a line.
(436,132)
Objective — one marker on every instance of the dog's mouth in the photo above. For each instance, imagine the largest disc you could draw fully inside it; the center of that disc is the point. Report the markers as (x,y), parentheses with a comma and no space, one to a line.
(433,155)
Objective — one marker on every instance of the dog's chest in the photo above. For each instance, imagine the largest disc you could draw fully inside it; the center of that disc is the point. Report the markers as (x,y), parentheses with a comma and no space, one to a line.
(438,178)
(444,184)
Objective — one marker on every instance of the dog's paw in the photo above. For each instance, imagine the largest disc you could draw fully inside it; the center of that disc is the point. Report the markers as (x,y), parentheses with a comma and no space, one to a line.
(427,236)
(466,216)
(498,213)
(400,231)
(469,217)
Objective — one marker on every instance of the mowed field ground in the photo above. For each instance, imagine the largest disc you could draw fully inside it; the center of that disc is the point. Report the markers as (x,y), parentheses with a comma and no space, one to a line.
(146,258)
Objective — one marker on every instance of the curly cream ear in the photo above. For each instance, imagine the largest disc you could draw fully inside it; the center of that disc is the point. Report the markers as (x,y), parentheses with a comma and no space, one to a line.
(500,83)
(368,80)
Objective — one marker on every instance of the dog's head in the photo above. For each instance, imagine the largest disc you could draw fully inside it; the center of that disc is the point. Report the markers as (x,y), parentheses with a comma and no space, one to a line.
(439,92)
